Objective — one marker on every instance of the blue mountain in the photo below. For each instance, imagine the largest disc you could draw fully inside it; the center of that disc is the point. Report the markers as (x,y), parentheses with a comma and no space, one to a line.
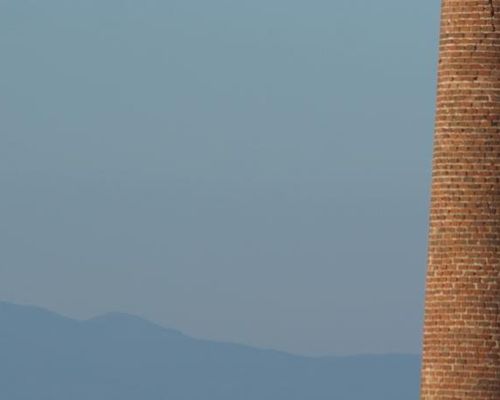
(45,356)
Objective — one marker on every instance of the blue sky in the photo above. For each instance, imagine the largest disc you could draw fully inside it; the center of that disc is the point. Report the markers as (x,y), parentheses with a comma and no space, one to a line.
(254,172)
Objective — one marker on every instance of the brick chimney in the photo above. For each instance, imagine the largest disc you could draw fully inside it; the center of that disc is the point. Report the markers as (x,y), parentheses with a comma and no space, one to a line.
(461,347)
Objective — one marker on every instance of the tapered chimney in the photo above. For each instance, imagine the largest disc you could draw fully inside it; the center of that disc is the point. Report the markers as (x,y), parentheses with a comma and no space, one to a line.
(461,347)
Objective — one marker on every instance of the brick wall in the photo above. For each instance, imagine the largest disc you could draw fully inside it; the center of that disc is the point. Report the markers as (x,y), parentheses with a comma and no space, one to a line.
(462,312)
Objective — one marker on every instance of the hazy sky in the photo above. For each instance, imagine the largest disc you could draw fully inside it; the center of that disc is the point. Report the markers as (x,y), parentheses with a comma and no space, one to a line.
(250,171)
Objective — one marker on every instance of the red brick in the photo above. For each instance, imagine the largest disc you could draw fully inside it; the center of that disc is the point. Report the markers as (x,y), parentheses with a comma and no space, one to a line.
(461,346)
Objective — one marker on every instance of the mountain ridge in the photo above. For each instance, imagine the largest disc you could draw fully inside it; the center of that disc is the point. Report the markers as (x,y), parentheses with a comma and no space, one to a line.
(45,356)
(129,317)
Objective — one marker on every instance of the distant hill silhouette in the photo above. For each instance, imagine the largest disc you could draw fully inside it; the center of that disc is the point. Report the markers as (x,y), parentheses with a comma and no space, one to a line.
(44,356)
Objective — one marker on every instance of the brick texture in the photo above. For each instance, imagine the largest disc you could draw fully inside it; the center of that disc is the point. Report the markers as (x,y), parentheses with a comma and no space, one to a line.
(461,347)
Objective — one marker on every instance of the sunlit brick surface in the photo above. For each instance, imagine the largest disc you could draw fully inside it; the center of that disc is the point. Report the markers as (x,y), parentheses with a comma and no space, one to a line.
(461,358)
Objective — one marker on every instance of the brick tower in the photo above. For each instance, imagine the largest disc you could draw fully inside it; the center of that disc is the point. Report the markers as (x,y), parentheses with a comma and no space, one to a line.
(461,350)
